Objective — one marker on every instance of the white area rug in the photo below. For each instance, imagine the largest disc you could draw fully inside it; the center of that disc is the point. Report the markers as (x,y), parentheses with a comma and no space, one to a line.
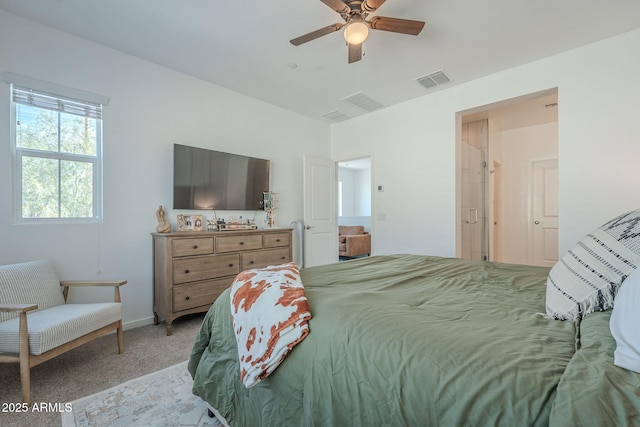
(161,398)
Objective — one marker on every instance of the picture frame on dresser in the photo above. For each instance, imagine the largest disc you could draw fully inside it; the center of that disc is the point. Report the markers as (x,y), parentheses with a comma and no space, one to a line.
(189,222)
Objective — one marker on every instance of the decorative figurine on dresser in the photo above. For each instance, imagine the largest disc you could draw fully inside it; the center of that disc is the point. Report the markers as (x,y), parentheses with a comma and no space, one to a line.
(192,268)
(163,225)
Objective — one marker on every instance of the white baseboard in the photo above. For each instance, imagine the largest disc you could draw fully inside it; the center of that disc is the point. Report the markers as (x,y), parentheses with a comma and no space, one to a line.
(137,323)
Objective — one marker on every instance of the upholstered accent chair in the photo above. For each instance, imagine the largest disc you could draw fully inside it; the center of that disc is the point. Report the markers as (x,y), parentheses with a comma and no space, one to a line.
(36,323)
(353,241)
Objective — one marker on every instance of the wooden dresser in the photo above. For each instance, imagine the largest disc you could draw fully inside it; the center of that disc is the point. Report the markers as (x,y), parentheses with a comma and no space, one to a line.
(190,269)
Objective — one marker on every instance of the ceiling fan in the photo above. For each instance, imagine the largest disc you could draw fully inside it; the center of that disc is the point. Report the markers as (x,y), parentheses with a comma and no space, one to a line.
(355,13)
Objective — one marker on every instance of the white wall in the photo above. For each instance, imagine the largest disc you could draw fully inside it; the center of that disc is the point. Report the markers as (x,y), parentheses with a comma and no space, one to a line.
(356,191)
(347,178)
(599,99)
(150,109)
(356,197)
(363,192)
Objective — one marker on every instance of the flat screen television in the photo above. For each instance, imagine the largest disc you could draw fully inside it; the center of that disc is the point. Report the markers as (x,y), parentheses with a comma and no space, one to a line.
(206,179)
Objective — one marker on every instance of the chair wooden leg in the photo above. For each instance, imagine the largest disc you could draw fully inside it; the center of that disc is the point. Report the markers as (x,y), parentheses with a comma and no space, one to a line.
(25,380)
(120,340)
(25,368)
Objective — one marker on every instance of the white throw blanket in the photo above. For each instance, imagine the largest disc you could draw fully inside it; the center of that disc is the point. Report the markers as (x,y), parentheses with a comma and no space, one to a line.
(270,313)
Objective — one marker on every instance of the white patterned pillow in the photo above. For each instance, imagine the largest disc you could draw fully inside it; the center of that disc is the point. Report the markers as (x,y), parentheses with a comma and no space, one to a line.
(33,282)
(624,322)
(587,278)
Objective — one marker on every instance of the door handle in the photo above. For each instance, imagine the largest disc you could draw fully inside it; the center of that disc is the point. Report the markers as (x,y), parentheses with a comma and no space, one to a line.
(536,222)
(473,211)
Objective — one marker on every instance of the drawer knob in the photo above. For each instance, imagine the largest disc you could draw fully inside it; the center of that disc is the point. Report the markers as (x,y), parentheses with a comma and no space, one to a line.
(251,262)
(195,246)
(277,240)
(186,271)
(283,257)
(241,243)
(187,297)
(230,265)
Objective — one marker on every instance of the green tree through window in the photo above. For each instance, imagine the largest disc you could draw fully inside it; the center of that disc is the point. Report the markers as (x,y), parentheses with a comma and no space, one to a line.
(58,156)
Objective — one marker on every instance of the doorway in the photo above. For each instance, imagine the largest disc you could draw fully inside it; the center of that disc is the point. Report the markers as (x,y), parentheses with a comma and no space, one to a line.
(354,199)
(354,192)
(497,215)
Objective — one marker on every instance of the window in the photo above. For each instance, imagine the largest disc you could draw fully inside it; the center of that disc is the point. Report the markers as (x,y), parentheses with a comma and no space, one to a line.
(57,157)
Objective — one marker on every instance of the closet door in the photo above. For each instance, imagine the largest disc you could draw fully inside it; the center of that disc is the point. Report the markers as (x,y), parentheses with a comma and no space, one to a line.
(543,230)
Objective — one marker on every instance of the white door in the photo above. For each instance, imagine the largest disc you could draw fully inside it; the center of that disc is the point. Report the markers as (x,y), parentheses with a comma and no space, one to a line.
(544,203)
(320,213)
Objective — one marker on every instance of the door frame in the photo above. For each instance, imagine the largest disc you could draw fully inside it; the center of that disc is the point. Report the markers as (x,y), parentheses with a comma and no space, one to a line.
(495,211)
(475,114)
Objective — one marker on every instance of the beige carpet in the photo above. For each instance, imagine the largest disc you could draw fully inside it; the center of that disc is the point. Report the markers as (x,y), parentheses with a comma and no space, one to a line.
(94,367)
(161,398)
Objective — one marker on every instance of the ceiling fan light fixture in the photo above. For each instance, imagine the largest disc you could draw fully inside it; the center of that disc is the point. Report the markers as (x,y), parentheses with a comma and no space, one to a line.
(356,26)
(356,31)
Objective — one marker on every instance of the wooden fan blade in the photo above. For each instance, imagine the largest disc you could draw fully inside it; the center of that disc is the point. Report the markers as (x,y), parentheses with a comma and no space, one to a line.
(315,34)
(355,52)
(405,26)
(371,5)
(337,5)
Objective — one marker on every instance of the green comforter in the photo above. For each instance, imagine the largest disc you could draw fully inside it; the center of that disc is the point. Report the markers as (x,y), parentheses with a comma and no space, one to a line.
(423,341)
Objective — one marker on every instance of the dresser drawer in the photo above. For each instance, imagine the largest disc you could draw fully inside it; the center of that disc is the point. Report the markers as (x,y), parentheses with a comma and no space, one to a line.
(206,267)
(188,247)
(199,293)
(262,259)
(274,240)
(190,270)
(238,243)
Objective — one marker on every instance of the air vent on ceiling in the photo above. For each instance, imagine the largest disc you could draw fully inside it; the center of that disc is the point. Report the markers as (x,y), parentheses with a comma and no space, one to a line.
(336,116)
(363,101)
(433,79)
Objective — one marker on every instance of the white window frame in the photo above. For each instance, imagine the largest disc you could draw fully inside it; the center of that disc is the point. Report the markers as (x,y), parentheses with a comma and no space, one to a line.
(18,153)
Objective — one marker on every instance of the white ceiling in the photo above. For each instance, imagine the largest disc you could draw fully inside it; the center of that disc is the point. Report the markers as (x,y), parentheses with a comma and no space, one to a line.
(245,46)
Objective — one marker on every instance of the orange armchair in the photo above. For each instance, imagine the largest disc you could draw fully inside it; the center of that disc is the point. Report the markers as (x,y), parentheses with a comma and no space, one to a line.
(353,241)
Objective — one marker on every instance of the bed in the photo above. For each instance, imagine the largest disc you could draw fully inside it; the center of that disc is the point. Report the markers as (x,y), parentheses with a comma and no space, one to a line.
(410,340)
